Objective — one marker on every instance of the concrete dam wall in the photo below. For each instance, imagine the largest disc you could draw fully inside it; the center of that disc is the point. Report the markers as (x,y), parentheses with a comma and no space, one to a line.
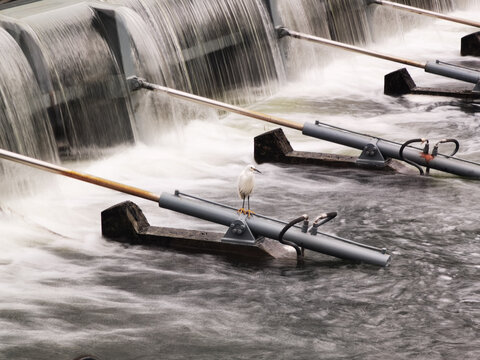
(64,64)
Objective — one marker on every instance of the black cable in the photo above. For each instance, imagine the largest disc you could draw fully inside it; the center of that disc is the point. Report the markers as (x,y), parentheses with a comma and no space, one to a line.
(284,230)
(404,145)
(444,141)
(328,216)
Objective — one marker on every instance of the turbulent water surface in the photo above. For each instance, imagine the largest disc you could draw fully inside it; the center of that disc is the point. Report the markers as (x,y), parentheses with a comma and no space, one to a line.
(66,290)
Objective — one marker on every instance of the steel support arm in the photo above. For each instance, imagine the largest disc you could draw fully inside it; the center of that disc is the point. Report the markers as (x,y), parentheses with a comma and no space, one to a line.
(453,71)
(323,243)
(391,150)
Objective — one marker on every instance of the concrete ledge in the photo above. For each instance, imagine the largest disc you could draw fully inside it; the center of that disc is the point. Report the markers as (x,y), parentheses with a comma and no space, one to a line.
(125,222)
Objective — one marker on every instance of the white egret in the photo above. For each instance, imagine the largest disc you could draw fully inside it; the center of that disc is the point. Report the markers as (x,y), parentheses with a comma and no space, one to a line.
(246,182)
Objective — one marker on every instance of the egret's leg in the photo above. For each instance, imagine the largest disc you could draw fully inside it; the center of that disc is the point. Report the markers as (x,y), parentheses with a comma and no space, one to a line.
(242,209)
(249,212)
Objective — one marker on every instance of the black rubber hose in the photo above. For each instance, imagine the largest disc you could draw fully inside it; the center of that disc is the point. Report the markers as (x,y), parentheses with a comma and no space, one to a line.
(284,230)
(444,141)
(329,216)
(400,154)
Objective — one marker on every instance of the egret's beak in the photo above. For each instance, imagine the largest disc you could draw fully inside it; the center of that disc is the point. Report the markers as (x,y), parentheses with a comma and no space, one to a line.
(258,171)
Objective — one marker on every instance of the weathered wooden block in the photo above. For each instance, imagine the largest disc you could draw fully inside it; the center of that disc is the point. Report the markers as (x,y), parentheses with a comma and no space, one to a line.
(399,82)
(470,45)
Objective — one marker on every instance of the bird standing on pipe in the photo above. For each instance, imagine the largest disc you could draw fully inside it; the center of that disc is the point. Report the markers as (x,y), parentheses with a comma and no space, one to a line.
(246,182)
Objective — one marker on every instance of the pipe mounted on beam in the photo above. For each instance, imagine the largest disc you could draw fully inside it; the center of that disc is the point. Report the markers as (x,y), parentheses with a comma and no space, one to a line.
(388,149)
(391,149)
(323,243)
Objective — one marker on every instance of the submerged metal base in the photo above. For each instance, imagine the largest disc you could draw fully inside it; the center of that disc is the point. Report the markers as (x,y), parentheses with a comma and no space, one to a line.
(125,222)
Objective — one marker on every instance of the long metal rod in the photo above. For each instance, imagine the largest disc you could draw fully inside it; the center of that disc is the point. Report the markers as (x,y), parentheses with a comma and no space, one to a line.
(218,104)
(426,12)
(287,32)
(42,165)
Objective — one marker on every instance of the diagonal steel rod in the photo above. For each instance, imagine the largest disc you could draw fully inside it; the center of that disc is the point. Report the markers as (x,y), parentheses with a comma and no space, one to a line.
(43,165)
(216,104)
(426,12)
(319,40)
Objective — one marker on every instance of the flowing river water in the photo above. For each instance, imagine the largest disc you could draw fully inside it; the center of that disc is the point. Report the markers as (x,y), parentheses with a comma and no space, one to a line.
(66,290)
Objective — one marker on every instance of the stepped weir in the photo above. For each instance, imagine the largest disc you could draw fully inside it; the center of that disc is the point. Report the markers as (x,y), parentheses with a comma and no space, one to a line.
(67,62)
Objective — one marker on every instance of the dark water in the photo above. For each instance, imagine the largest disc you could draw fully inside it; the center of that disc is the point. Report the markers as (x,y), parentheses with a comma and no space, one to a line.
(138,303)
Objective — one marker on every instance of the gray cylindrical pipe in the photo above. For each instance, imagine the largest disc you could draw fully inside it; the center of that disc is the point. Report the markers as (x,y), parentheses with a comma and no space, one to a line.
(263,227)
(452,71)
(391,150)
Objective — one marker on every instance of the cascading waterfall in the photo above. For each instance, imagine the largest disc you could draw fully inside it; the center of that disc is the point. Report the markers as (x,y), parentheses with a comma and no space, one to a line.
(24,122)
(29,121)
(223,49)
(191,34)
(348,21)
(220,49)
(387,22)
(152,58)
(86,78)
